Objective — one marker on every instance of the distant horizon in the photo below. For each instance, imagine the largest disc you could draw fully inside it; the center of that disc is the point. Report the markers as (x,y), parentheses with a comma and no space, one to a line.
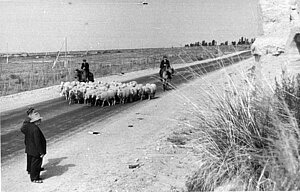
(62,51)
(40,26)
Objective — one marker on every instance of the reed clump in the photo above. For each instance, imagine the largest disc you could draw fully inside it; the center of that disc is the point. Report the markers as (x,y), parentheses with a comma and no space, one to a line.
(249,138)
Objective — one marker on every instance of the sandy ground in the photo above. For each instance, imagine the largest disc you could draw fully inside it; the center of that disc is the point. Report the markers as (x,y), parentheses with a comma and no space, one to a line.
(139,136)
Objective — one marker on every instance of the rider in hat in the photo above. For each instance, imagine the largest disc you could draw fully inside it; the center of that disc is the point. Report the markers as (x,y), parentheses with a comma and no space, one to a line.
(164,64)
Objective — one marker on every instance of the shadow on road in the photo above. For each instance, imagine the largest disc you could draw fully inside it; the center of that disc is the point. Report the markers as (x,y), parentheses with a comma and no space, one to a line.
(52,168)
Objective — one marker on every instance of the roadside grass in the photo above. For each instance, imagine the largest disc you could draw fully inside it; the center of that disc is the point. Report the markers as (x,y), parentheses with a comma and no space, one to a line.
(245,133)
(247,136)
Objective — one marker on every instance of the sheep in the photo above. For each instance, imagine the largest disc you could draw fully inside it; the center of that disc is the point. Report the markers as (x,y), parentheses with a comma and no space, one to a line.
(72,97)
(133,93)
(143,92)
(80,95)
(115,83)
(151,90)
(67,86)
(93,93)
(104,96)
(111,96)
(123,94)
(132,83)
(93,97)
(88,95)
(139,88)
(115,91)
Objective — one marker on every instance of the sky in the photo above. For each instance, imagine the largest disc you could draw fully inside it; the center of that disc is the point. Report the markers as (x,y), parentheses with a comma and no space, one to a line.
(41,26)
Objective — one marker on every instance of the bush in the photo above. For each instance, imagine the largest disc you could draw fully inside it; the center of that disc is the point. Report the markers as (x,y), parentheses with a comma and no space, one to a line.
(14,76)
(249,140)
(288,91)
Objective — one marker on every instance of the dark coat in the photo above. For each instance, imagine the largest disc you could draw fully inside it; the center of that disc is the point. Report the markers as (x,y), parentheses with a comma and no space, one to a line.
(164,64)
(35,142)
(24,127)
(85,66)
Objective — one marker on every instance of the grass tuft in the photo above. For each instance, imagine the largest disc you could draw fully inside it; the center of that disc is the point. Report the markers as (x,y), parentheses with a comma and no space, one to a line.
(249,138)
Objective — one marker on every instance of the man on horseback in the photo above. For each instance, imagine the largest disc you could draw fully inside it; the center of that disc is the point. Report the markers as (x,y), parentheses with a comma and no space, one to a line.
(164,65)
(85,68)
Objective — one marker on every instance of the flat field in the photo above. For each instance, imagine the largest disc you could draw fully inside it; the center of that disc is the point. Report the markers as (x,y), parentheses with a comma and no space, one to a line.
(35,71)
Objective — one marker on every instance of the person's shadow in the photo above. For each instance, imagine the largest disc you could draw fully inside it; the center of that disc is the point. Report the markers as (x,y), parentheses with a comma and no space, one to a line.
(52,168)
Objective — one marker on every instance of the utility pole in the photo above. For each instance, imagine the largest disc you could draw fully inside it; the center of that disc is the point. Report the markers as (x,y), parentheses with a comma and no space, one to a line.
(66,50)
(66,47)
(6,53)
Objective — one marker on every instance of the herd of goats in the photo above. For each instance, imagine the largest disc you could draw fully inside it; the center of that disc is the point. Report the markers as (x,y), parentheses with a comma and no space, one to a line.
(101,93)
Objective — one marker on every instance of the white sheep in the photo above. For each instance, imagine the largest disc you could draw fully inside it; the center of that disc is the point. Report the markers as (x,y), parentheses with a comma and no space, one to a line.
(133,93)
(90,92)
(150,90)
(102,97)
(153,91)
(139,88)
(123,94)
(67,86)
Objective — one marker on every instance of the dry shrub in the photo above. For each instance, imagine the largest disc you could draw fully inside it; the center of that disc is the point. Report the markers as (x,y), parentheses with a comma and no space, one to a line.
(249,140)
(288,91)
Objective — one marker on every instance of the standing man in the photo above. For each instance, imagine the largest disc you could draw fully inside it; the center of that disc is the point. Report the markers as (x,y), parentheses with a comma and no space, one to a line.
(30,111)
(86,68)
(35,145)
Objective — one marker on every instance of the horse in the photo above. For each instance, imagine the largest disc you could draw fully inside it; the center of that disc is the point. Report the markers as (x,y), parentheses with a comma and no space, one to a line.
(166,76)
(80,75)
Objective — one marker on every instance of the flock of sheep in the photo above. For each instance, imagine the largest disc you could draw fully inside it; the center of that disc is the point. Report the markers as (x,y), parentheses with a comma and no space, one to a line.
(101,93)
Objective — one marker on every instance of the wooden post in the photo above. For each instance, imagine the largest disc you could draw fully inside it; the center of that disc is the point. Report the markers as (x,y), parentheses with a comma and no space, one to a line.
(30,83)
(8,84)
(21,85)
(4,88)
(6,53)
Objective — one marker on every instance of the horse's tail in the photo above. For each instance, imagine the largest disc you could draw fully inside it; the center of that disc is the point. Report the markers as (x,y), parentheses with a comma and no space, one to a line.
(91,77)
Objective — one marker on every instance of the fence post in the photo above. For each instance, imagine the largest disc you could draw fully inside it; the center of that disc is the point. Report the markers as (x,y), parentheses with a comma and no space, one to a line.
(21,85)
(8,83)
(53,77)
(4,87)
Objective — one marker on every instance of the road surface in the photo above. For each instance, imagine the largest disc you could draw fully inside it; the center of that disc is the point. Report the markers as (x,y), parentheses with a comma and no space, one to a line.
(62,119)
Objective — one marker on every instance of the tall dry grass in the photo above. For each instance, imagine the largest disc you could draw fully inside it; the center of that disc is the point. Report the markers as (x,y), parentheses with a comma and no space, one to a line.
(248,137)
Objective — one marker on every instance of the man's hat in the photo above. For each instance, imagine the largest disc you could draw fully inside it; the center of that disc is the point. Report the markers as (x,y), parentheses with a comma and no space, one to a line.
(29,110)
(165,56)
(35,117)
(84,60)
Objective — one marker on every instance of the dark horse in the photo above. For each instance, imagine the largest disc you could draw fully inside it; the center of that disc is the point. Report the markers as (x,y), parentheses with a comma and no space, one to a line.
(166,75)
(80,75)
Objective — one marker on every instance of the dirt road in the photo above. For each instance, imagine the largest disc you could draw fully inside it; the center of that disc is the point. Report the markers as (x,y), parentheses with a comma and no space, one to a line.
(133,151)
(60,119)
